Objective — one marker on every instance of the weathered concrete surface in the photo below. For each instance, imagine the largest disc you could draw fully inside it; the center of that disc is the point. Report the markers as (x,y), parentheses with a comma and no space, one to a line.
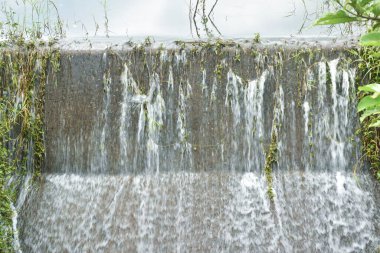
(84,107)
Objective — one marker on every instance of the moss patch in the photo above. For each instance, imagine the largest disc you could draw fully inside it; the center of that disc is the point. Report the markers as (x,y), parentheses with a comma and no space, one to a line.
(270,160)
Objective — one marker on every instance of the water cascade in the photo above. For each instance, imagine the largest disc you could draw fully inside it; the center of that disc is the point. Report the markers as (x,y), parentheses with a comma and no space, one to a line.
(153,149)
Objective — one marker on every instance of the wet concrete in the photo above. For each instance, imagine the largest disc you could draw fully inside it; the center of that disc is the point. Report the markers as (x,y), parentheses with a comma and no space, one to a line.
(86,100)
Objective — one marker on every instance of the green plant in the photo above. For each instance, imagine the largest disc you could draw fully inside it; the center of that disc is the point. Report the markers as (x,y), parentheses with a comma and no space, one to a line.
(362,12)
(369,70)
(257,38)
(26,60)
(369,105)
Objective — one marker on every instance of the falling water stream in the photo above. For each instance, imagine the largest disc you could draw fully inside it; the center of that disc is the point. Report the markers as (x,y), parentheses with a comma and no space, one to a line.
(174,159)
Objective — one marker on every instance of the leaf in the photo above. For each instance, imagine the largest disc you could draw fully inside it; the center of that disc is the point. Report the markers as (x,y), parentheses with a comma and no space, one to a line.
(376,124)
(374,87)
(367,113)
(375,9)
(376,27)
(370,39)
(375,95)
(333,18)
(363,3)
(368,102)
(357,7)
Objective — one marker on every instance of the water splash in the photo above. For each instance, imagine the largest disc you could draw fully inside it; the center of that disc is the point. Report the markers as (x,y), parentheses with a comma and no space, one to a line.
(233,85)
(155,114)
(207,212)
(16,241)
(183,133)
(338,129)
(129,85)
(254,126)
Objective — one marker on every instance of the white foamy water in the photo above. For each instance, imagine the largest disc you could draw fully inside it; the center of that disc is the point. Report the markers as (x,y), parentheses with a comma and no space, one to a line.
(202,212)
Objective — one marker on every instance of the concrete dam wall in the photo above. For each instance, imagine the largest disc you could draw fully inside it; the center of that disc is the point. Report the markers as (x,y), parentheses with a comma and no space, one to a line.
(199,147)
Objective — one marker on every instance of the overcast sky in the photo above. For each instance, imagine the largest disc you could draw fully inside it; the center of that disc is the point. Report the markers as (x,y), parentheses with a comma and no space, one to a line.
(234,18)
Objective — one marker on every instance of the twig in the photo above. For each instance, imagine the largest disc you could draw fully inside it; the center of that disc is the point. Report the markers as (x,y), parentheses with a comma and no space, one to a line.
(190,21)
(209,17)
(194,19)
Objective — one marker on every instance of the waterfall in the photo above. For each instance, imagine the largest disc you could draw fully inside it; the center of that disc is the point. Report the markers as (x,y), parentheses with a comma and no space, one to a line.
(172,159)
